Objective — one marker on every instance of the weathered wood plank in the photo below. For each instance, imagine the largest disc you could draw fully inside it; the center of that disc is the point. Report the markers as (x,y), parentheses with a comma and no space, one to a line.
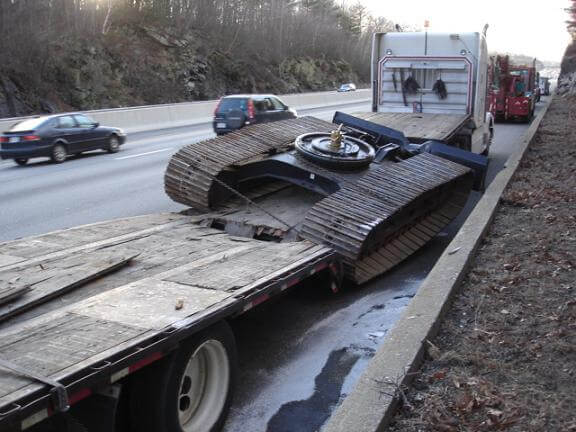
(49,347)
(40,248)
(159,252)
(9,293)
(311,254)
(243,269)
(6,259)
(417,125)
(57,277)
(150,304)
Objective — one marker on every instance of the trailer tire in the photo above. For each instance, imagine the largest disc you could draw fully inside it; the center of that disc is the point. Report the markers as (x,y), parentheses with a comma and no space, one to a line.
(190,391)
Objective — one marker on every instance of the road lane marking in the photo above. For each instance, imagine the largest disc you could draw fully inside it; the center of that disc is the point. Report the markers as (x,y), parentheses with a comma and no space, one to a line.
(143,154)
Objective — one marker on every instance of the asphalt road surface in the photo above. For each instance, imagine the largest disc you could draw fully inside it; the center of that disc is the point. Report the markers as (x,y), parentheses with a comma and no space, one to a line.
(298,355)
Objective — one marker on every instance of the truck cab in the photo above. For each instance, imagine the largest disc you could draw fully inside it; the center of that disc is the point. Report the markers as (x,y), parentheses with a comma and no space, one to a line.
(514,92)
(442,74)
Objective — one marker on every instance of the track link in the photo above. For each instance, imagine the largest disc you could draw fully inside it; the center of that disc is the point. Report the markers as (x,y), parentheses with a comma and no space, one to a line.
(388,214)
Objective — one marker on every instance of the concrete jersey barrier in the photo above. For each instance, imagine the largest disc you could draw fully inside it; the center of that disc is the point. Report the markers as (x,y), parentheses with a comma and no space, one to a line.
(143,118)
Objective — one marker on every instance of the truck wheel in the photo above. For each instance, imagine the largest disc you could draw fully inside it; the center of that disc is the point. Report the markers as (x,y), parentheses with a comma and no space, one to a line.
(21,161)
(190,391)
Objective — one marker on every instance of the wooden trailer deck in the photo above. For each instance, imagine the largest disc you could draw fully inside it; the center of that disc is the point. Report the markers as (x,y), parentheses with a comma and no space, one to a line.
(418,126)
(151,275)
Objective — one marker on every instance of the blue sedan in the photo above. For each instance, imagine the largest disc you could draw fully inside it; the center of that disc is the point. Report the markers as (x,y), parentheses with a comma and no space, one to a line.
(56,137)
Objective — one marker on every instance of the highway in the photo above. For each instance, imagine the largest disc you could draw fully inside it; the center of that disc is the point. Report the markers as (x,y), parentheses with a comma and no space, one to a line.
(298,355)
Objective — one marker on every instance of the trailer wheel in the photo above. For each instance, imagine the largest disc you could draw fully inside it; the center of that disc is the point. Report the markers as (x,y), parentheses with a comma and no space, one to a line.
(190,391)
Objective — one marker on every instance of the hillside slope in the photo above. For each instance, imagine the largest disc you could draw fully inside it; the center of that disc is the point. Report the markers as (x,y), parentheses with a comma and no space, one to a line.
(135,64)
(567,78)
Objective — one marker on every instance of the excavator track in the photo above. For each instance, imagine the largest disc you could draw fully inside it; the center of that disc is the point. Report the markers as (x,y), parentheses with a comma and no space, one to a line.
(389,213)
(189,177)
(373,220)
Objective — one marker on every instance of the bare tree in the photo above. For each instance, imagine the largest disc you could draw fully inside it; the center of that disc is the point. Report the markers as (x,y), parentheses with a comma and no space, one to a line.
(107,22)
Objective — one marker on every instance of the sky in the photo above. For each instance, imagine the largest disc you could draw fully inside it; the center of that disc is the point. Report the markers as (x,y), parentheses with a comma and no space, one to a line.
(534,28)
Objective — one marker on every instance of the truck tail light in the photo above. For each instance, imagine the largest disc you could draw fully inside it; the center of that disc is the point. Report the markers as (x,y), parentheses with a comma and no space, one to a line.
(217,107)
(250,109)
(3,139)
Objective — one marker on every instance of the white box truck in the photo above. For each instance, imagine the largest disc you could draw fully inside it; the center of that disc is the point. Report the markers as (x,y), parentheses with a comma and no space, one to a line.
(433,86)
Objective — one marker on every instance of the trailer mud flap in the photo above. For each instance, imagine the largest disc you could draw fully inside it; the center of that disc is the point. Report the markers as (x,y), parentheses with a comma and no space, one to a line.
(476,162)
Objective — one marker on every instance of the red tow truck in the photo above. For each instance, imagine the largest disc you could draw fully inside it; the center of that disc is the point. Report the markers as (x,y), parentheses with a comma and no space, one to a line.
(513,95)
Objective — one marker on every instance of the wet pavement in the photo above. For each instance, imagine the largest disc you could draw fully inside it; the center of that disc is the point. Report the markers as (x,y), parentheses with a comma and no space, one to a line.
(301,354)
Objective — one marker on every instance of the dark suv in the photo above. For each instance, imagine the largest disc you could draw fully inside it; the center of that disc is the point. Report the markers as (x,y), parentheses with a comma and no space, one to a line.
(237,111)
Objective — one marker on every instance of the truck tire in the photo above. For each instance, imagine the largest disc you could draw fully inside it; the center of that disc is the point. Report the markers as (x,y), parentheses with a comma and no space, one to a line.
(191,390)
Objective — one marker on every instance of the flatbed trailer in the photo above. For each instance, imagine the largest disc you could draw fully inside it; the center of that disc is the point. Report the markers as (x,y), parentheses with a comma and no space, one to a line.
(179,278)
(126,321)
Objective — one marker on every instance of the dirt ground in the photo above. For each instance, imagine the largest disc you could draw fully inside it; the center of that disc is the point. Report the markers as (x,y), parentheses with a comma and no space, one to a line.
(505,357)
